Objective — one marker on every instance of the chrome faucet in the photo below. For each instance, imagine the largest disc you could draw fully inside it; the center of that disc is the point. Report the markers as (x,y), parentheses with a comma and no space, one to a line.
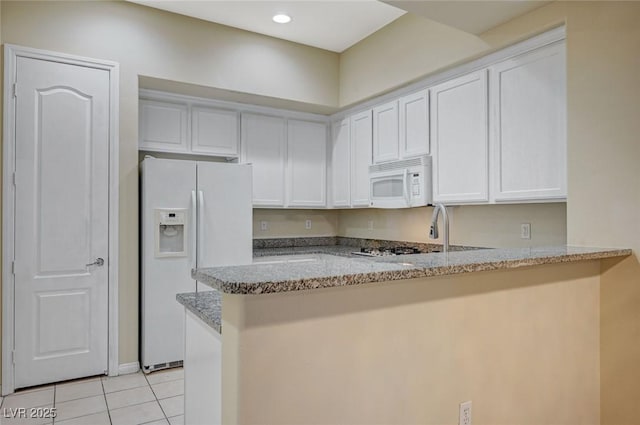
(433,231)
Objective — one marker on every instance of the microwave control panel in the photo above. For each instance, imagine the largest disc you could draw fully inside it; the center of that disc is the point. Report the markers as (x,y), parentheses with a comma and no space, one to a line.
(415,184)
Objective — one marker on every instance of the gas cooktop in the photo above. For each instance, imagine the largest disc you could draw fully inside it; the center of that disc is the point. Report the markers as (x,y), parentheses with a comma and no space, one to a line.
(386,251)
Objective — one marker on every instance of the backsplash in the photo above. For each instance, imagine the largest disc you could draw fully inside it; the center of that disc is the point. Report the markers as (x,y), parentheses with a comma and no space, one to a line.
(282,223)
(493,226)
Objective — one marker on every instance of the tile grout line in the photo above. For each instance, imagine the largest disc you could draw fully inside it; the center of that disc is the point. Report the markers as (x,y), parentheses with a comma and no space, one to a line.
(104,394)
(157,399)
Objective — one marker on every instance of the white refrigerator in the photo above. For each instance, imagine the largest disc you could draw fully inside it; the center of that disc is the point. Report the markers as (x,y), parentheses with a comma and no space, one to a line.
(193,214)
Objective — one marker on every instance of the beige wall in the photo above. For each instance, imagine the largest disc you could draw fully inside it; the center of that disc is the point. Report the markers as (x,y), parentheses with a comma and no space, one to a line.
(603,95)
(410,351)
(291,223)
(166,46)
(405,50)
(494,226)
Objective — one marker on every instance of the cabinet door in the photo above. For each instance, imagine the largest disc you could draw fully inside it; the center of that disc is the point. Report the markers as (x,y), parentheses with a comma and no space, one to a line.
(306,163)
(163,126)
(459,139)
(263,145)
(361,138)
(385,132)
(414,124)
(340,164)
(214,131)
(528,99)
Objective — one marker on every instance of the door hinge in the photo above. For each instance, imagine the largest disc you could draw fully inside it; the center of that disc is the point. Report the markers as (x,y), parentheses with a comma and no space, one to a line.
(14,178)
(13,357)
(13,267)
(15,89)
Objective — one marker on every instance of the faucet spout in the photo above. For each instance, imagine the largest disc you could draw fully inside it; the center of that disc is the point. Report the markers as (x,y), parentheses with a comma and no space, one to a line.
(433,231)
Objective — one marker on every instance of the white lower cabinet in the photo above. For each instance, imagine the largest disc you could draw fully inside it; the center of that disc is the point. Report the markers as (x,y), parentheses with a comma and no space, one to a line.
(528,134)
(306,164)
(459,139)
(264,146)
(202,373)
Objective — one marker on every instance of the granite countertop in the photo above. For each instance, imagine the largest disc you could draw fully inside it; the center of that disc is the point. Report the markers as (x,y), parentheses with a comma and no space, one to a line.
(340,250)
(207,305)
(323,270)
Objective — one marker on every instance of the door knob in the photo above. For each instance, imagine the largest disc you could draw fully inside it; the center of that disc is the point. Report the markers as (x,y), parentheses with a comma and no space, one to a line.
(99,262)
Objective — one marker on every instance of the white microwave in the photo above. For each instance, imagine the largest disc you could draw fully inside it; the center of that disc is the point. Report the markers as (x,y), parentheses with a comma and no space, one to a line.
(401,184)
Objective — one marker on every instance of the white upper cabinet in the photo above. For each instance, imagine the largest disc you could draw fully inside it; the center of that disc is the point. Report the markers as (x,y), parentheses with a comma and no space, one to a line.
(214,131)
(264,146)
(163,126)
(459,139)
(361,154)
(181,124)
(414,124)
(386,132)
(307,164)
(528,130)
(341,164)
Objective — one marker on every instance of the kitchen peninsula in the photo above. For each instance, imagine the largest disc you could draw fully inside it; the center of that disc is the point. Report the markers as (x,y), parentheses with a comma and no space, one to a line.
(398,339)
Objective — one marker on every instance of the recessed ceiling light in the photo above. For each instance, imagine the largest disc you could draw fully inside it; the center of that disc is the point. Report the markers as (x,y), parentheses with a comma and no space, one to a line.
(281,18)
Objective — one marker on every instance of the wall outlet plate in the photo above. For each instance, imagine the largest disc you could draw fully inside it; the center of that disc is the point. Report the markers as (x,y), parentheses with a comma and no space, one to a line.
(465,413)
(264,225)
(307,224)
(525,231)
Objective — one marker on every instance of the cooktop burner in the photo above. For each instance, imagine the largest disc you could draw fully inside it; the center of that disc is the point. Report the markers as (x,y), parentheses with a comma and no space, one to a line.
(385,251)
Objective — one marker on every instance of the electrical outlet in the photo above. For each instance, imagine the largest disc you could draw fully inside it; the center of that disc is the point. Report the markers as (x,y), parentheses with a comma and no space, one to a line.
(264,225)
(370,224)
(307,224)
(465,413)
(525,231)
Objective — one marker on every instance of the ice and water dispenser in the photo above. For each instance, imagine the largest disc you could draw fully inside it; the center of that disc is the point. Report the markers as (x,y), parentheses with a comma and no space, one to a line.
(171,232)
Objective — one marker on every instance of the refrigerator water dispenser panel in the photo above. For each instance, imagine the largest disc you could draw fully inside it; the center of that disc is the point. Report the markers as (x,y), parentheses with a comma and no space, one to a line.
(171,232)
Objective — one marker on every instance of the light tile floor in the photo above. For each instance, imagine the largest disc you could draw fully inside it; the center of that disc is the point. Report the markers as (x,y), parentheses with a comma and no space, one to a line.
(157,398)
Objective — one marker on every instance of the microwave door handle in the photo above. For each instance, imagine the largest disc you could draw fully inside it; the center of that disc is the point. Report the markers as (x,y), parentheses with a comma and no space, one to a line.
(194,237)
(405,190)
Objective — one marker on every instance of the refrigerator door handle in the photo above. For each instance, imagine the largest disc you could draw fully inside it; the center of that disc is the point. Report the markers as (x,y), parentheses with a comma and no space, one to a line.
(194,215)
(200,225)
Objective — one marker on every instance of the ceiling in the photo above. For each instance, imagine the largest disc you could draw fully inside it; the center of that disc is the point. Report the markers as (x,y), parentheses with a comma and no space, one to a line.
(328,24)
(336,25)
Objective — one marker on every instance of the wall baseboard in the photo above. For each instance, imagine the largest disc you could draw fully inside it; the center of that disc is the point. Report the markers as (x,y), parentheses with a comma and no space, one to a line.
(127,368)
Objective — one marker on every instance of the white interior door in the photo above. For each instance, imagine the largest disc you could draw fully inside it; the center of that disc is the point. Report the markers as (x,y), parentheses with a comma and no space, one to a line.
(61,221)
